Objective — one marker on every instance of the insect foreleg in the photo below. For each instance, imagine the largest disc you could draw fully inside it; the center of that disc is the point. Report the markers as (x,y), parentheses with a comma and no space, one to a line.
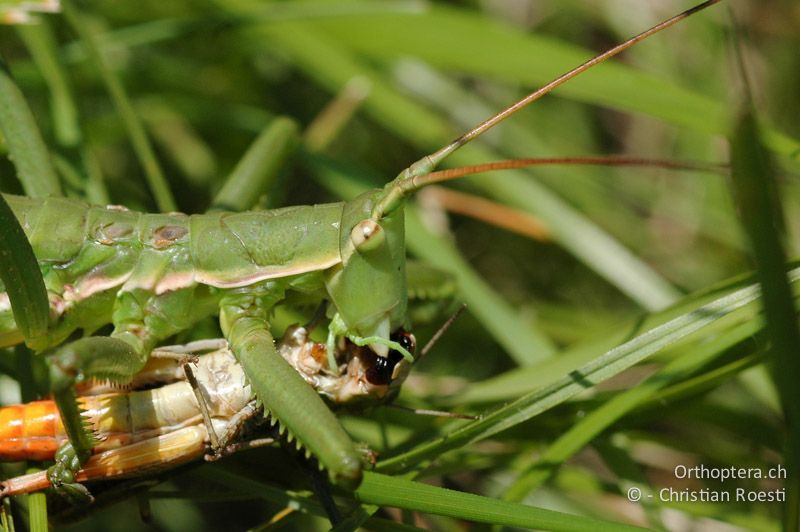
(286,397)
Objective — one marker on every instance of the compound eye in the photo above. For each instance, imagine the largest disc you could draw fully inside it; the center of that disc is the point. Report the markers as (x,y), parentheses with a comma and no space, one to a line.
(367,235)
(405,339)
(381,372)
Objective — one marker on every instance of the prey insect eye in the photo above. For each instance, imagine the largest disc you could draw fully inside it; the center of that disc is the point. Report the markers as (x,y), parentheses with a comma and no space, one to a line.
(381,372)
(383,369)
(406,341)
(367,235)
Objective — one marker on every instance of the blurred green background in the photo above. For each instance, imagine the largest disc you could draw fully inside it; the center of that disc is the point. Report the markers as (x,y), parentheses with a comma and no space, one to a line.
(374,86)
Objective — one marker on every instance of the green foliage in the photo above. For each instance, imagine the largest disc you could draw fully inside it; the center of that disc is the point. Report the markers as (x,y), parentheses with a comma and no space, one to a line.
(21,279)
(754,186)
(592,369)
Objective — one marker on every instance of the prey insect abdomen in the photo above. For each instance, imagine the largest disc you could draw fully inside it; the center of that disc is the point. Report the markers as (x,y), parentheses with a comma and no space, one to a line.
(30,432)
(34,431)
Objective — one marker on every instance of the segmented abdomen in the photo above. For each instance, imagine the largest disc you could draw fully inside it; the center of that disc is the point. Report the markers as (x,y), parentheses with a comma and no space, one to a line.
(31,431)
(34,431)
(141,458)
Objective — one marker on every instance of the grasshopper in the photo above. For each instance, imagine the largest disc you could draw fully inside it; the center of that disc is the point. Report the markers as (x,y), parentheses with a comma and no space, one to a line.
(157,428)
(137,432)
(154,275)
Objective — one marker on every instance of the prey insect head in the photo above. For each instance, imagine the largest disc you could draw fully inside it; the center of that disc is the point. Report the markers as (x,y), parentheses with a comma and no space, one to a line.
(394,367)
(370,378)
(360,378)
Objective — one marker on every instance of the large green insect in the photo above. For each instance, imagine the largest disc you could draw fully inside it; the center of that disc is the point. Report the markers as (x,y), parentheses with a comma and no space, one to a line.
(153,275)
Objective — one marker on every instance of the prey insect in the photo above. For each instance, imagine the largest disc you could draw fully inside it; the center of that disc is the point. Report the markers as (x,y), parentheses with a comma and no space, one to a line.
(157,428)
(154,275)
(138,432)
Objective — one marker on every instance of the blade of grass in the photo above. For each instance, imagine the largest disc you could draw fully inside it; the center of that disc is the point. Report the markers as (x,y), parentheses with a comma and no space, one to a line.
(527,344)
(465,41)
(546,129)
(519,381)
(490,212)
(6,518)
(629,472)
(702,383)
(584,239)
(755,191)
(329,122)
(133,125)
(384,490)
(150,32)
(612,410)
(29,391)
(96,190)
(242,481)
(177,138)
(25,144)
(259,166)
(37,508)
(41,44)
(453,39)
(22,278)
(599,369)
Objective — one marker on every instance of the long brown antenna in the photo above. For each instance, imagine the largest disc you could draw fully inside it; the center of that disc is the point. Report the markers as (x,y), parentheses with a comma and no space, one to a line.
(435,158)
(439,176)
(443,329)
(396,190)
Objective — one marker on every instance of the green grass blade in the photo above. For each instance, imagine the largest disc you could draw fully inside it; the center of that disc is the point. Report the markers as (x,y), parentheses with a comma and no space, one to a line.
(96,190)
(574,382)
(610,411)
(623,464)
(25,144)
(242,480)
(6,518)
(587,241)
(527,345)
(516,382)
(41,43)
(178,140)
(259,166)
(400,493)
(755,190)
(22,278)
(133,125)
(459,40)
(704,382)
(37,509)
